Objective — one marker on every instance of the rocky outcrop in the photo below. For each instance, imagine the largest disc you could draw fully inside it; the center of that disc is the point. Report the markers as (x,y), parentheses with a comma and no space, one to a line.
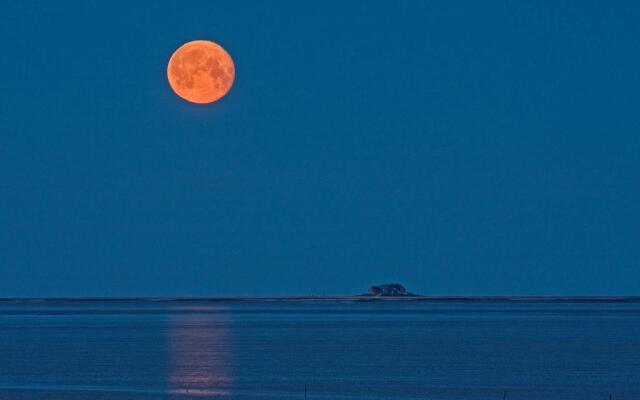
(388,289)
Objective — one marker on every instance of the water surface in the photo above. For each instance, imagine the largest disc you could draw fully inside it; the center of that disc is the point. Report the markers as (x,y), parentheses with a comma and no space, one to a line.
(340,350)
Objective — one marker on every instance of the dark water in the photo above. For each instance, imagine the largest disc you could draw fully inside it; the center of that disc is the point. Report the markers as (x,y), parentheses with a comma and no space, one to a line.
(270,350)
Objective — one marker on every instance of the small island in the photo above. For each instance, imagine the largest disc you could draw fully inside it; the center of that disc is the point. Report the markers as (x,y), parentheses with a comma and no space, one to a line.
(389,290)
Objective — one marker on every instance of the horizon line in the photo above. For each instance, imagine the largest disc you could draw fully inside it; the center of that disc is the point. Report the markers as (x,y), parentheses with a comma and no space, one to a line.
(352,298)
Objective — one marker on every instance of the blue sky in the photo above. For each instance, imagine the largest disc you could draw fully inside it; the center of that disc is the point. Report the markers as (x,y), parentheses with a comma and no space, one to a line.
(458,147)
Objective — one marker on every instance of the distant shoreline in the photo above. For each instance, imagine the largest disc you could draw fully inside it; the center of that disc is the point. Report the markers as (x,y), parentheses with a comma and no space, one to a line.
(357,298)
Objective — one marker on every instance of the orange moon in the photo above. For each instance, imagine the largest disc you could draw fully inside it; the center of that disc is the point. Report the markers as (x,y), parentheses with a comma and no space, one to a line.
(201,71)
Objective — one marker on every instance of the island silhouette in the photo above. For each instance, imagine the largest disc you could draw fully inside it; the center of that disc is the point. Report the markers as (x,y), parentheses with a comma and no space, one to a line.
(389,290)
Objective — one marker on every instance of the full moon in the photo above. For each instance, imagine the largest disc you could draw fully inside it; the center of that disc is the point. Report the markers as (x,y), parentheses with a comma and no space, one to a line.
(201,71)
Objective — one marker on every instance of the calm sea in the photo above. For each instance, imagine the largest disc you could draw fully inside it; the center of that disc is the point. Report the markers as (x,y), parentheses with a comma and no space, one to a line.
(339,350)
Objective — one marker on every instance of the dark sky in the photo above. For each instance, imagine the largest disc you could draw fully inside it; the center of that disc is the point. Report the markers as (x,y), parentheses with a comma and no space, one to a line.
(456,147)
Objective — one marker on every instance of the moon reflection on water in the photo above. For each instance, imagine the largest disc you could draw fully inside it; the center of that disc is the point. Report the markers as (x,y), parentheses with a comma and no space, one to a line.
(200,350)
